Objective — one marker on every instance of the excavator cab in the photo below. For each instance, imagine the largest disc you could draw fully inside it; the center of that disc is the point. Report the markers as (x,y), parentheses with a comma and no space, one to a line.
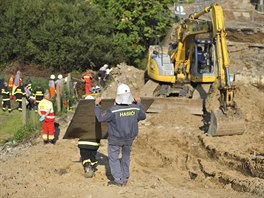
(203,67)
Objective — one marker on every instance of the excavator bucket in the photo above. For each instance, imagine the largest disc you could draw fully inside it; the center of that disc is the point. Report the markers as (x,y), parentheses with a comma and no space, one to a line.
(222,124)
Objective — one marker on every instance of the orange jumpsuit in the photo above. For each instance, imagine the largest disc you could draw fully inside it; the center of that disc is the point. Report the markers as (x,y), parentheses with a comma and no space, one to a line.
(88,82)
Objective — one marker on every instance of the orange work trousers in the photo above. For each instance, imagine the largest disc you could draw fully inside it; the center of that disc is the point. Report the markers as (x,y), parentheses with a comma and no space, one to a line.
(48,131)
(88,86)
(52,91)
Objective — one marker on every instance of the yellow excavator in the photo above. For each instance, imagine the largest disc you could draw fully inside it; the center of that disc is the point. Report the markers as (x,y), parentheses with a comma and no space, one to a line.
(197,61)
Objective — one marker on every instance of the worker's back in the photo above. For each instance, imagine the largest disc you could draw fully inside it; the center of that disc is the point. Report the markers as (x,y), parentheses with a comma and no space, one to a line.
(122,120)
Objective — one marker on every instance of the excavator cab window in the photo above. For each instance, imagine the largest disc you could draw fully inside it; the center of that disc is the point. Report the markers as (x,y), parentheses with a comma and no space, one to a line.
(203,57)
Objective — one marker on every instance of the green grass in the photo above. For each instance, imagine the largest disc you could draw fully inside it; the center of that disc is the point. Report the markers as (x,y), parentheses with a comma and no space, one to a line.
(12,125)
(26,132)
(10,122)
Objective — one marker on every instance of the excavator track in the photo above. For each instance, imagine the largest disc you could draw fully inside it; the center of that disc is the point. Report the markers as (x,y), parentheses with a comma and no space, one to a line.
(194,106)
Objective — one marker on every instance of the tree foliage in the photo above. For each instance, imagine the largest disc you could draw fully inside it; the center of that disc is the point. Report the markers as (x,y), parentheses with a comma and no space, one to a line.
(71,34)
(139,23)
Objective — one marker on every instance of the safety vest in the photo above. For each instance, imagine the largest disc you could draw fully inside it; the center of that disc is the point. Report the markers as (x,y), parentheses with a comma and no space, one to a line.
(11,81)
(44,106)
(87,77)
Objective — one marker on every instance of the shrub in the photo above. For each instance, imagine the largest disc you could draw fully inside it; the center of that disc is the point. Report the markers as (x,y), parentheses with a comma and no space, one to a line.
(26,132)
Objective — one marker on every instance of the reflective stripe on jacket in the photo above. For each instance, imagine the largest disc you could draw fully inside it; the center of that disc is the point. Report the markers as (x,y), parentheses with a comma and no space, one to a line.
(5,94)
(122,120)
(19,93)
(39,94)
(87,77)
(89,143)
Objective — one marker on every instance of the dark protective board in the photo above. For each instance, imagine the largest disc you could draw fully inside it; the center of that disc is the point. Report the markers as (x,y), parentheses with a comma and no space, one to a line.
(84,123)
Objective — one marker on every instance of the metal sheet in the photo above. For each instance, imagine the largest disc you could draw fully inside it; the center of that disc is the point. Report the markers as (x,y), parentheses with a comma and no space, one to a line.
(84,123)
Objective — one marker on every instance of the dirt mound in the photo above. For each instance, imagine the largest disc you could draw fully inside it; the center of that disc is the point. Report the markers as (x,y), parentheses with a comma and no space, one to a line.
(124,73)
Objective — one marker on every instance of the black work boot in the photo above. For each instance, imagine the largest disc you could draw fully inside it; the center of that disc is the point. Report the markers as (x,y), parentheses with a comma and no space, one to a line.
(52,141)
(45,141)
(88,170)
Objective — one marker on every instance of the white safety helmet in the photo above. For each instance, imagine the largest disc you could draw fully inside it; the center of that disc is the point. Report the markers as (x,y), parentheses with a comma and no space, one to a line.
(122,89)
(60,76)
(89,97)
(52,76)
(105,66)
(123,95)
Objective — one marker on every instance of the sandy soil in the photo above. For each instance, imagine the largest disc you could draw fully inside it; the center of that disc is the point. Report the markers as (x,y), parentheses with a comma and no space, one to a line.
(171,156)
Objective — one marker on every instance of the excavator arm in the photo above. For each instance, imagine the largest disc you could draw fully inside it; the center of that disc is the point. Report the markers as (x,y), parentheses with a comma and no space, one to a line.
(221,53)
(227,120)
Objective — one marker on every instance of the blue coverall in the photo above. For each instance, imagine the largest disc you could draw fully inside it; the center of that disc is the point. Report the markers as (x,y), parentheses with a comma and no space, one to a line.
(122,122)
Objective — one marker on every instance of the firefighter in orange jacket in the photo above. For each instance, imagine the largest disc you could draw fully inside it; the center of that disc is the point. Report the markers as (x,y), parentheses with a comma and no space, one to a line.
(47,117)
(88,81)
(11,81)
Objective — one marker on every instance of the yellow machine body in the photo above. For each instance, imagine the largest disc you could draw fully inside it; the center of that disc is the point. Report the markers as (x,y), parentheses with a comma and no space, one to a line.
(200,57)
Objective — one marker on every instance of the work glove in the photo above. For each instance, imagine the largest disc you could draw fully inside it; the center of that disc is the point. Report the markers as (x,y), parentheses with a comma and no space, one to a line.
(42,118)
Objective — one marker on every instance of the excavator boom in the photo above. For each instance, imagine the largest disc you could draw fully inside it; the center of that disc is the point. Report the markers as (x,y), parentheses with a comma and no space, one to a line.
(227,119)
